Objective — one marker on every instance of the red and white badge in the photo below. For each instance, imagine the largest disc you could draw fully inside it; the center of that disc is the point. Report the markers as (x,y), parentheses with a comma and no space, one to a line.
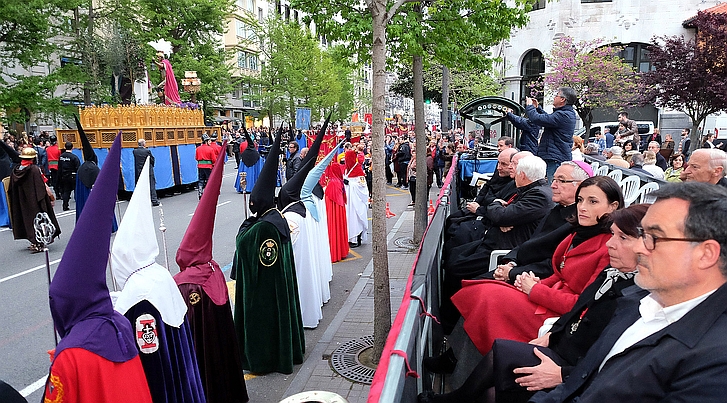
(146,334)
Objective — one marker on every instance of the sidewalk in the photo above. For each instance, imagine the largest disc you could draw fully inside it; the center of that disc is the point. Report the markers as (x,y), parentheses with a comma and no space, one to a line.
(355,320)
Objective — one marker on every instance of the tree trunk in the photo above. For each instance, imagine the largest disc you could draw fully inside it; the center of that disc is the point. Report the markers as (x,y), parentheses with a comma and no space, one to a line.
(382,301)
(445,126)
(420,207)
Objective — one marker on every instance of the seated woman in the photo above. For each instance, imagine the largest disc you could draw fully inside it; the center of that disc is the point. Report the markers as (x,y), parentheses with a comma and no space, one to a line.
(494,309)
(516,369)
(677,166)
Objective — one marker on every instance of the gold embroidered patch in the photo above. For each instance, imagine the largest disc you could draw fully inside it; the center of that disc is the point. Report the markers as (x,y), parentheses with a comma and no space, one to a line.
(53,390)
(268,253)
(194,298)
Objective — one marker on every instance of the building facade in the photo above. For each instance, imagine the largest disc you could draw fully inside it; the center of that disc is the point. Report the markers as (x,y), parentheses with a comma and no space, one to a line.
(627,23)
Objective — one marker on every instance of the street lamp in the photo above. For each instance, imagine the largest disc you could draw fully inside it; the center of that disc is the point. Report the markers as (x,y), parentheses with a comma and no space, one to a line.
(191,84)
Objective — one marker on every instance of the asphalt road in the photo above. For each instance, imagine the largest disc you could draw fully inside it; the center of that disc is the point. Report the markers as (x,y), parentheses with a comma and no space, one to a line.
(27,331)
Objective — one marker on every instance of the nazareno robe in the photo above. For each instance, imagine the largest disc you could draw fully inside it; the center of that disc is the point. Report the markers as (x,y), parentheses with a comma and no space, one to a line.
(335,197)
(167,355)
(251,174)
(218,354)
(80,376)
(28,197)
(267,308)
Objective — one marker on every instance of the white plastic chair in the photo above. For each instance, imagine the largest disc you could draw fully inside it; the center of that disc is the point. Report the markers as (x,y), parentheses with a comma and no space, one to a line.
(630,189)
(477,176)
(645,190)
(496,254)
(595,165)
(616,175)
(601,171)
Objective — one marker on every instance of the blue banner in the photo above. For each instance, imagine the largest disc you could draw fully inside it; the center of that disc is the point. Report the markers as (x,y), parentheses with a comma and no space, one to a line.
(302,118)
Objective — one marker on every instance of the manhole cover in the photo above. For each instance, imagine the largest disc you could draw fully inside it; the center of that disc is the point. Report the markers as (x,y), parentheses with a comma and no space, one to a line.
(405,242)
(348,360)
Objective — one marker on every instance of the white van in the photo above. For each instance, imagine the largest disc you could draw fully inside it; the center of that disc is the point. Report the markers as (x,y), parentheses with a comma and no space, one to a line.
(717,124)
(645,128)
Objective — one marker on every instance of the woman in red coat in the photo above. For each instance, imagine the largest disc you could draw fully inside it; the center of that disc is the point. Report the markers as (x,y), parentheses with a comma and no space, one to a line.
(494,309)
(336,209)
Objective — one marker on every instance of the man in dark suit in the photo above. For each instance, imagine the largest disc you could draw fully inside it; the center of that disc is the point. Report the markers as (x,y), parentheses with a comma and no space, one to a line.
(669,345)
(140,155)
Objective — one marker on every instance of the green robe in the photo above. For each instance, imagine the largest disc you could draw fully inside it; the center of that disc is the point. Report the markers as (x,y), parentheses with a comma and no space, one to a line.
(267,308)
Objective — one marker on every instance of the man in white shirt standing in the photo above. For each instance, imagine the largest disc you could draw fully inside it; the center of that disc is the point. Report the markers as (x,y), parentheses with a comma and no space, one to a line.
(669,345)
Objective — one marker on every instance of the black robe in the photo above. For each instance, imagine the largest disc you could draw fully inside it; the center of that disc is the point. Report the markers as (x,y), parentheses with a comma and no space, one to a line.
(218,354)
(168,358)
(28,197)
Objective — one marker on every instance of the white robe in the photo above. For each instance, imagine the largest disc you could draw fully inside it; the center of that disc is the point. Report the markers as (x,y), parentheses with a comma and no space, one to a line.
(303,235)
(357,207)
(324,251)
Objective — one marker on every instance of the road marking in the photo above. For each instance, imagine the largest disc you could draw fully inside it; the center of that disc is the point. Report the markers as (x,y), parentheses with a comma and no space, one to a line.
(22,273)
(397,194)
(218,205)
(33,387)
(355,256)
(4,229)
(249,376)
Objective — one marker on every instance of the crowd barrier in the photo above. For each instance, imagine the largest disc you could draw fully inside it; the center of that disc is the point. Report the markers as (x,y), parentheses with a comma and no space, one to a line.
(397,376)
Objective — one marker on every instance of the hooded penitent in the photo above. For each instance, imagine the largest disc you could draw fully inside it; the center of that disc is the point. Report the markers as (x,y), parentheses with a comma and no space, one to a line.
(151,301)
(290,191)
(204,290)
(267,308)
(89,170)
(262,197)
(79,298)
(250,156)
(194,255)
(133,260)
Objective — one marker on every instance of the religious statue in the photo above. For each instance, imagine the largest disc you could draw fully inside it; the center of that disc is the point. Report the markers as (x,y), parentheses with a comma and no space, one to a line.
(167,89)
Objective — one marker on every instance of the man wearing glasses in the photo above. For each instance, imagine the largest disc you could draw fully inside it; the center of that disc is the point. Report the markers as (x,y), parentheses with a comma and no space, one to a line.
(557,138)
(670,345)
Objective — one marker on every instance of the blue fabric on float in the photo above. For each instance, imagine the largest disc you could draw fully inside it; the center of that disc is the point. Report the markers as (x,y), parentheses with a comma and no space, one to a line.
(4,208)
(187,163)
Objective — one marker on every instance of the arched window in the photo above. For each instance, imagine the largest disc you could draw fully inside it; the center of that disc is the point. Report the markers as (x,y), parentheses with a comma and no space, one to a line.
(532,67)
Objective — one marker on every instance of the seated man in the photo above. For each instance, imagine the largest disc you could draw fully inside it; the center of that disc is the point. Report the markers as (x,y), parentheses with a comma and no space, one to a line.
(535,254)
(468,224)
(670,344)
(707,165)
(613,157)
(514,221)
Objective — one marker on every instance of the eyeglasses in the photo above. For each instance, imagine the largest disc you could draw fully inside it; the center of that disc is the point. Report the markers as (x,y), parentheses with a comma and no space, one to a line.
(563,181)
(559,96)
(651,240)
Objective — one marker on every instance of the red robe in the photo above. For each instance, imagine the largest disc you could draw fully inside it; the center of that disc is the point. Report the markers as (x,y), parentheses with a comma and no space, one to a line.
(53,153)
(80,376)
(496,310)
(336,211)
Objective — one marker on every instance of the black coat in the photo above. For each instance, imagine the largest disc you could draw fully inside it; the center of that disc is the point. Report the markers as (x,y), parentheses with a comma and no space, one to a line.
(68,164)
(140,155)
(684,362)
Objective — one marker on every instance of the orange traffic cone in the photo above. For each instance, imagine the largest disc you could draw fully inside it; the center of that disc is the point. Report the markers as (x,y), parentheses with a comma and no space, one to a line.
(430,211)
(389,214)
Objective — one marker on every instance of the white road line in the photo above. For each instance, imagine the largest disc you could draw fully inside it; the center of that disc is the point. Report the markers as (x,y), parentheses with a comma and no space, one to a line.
(33,387)
(4,229)
(22,273)
(218,205)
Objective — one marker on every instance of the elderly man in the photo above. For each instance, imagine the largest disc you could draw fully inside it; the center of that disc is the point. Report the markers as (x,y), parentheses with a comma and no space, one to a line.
(513,222)
(535,254)
(467,224)
(613,157)
(668,346)
(707,165)
(660,160)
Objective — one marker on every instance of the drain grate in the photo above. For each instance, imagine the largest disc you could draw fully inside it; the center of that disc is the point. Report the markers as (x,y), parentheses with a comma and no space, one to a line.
(347,363)
(405,243)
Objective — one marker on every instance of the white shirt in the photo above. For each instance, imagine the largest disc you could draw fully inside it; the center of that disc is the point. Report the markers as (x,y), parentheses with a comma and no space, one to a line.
(653,318)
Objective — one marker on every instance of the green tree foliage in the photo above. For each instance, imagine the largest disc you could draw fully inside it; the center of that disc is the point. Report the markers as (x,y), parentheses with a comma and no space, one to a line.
(596,72)
(690,75)
(297,73)
(464,86)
